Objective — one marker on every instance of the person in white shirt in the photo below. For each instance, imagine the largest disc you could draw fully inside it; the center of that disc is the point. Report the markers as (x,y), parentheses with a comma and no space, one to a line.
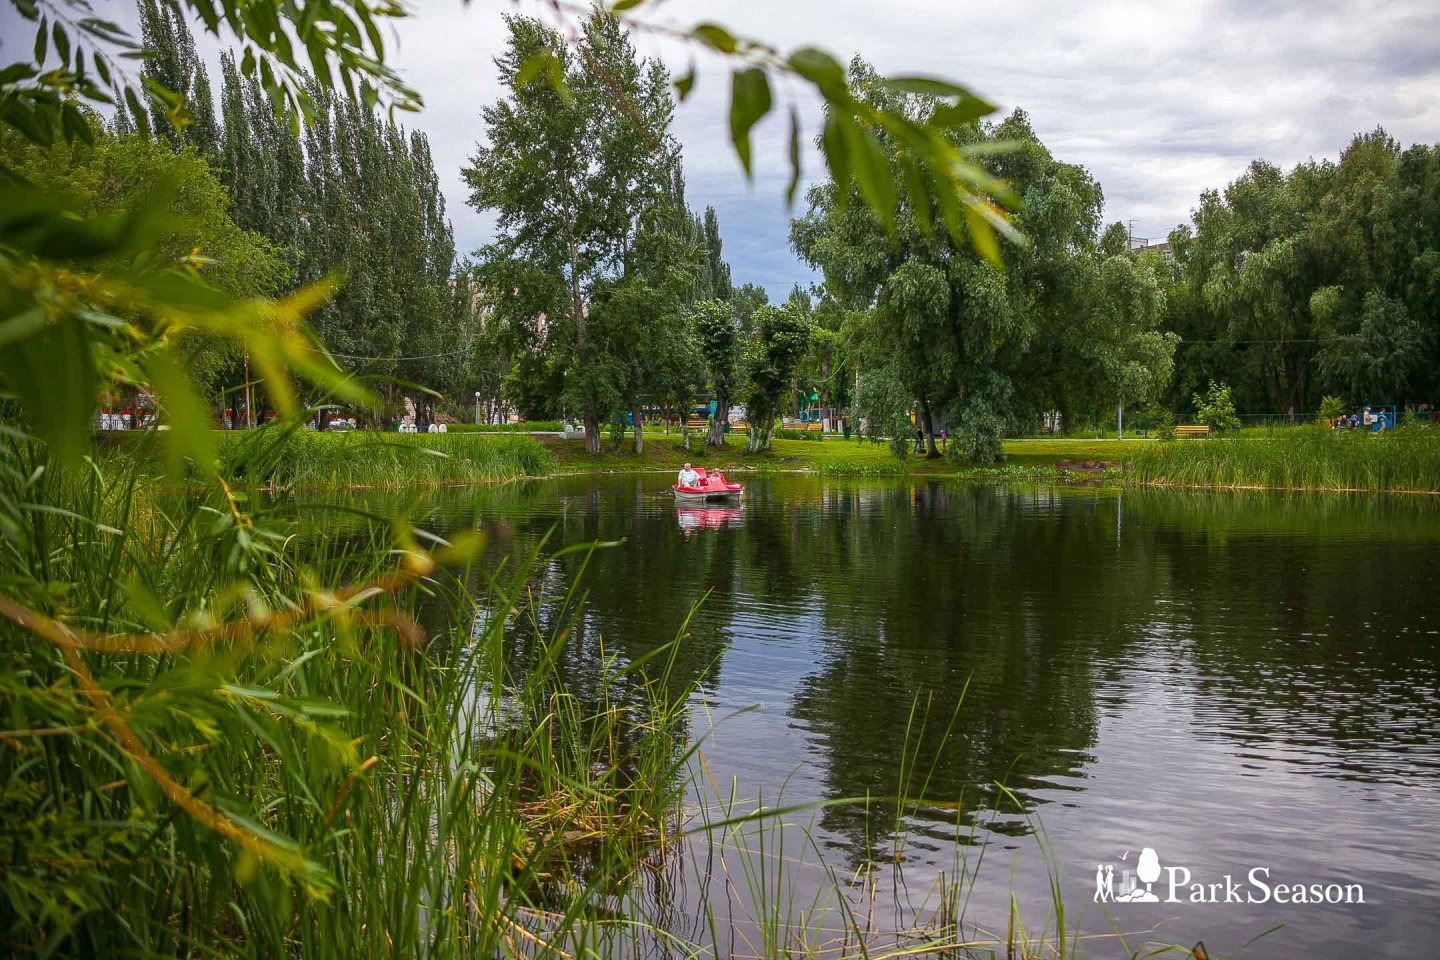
(688,477)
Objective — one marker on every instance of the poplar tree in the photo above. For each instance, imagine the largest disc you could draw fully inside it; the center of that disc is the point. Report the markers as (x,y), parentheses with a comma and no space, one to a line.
(187,114)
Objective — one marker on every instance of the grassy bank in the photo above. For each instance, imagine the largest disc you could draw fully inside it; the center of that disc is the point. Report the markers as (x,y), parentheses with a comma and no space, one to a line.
(1302,458)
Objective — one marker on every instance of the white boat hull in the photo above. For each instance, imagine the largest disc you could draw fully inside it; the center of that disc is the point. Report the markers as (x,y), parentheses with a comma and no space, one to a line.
(706,496)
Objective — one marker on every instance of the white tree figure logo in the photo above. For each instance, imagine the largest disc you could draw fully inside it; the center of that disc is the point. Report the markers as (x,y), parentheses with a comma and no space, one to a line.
(1148,870)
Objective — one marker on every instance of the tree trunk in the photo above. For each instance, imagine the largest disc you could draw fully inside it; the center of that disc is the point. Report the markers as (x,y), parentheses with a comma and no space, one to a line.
(928,424)
(716,437)
(591,421)
(794,398)
(635,416)
(589,416)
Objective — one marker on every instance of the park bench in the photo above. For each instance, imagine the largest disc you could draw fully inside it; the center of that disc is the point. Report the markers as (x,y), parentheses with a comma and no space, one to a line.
(1193,430)
(698,423)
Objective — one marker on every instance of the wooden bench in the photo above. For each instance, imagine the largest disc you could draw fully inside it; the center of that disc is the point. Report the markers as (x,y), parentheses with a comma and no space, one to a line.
(698,423)
(1193,430)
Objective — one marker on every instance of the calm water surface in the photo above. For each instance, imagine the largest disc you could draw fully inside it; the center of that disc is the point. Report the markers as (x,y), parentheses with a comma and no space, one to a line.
(1235,681)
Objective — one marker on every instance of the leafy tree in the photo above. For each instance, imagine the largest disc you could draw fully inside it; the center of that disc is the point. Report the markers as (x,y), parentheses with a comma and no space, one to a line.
(986,349)
(748,298)
(1320,278)
(772,355)
(116,177)
(719,338)
(642,320)
(882,410)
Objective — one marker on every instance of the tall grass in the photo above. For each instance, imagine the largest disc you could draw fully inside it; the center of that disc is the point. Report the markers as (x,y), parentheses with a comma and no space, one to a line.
(344,781)
(285,457)
(1299,458)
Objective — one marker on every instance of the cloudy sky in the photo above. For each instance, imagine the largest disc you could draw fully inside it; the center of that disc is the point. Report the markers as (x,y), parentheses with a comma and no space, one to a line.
(1158,99)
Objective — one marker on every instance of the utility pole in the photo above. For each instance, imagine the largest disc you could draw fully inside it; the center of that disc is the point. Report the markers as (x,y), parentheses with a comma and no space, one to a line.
(248,421)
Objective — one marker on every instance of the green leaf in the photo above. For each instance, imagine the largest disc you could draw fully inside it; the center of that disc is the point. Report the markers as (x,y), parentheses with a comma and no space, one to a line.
(21,114)
(622,5)
(836,147)
(960,113)
(42,42)
(749,101)
(918,190)
(872,174)
(821,69)
(534,65)
(62,43)
(982,235)
(715,36)
(927,86)
(794,186)
(76,126)
(22,325)
(52,372)
(185,414)
(685,83)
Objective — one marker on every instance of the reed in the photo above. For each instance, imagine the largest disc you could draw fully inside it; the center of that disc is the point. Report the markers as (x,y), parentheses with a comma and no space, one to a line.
(1298,458)
(287,457)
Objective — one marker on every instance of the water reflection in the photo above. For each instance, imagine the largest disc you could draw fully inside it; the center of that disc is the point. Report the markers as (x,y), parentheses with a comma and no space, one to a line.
(693,517)
(1233,678)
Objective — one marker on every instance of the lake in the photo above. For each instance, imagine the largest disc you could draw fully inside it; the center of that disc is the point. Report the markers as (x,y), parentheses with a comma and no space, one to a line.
(1244,683)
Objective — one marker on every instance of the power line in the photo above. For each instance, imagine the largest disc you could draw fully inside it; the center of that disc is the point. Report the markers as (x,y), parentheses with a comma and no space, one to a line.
(424,356)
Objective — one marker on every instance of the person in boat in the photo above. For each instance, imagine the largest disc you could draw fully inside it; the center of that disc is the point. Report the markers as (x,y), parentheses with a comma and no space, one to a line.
(688,477)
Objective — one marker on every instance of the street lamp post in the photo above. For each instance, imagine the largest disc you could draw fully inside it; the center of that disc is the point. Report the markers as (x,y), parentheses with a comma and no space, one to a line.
(477,408)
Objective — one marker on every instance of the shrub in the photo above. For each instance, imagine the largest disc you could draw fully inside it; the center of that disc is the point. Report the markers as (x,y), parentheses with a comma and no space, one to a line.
(1164,424)
(1216,408)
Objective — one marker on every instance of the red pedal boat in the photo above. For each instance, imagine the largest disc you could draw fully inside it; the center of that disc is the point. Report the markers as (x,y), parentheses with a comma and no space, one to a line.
(711,486)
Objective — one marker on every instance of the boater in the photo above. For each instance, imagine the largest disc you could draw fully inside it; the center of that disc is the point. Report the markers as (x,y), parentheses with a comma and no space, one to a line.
(688,477)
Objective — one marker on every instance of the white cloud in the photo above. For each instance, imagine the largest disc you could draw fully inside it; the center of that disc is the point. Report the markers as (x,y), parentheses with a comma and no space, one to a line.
(1158,99)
